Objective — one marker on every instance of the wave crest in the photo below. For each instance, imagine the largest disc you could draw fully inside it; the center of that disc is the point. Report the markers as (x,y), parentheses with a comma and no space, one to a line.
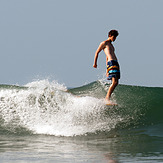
(44,107)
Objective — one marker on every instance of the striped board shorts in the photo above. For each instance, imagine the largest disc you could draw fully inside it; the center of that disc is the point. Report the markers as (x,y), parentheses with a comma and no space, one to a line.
(113,69)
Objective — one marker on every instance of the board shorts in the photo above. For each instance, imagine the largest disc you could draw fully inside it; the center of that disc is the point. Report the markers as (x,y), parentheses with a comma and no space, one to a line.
(113,70)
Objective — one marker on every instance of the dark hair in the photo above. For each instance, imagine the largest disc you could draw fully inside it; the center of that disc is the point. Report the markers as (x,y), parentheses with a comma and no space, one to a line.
(113,33)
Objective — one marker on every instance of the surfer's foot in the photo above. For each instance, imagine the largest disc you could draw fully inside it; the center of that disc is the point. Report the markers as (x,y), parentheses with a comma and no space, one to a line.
(108,102)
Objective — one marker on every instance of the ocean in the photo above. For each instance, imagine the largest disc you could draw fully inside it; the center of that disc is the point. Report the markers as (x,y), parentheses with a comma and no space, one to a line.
(46,122)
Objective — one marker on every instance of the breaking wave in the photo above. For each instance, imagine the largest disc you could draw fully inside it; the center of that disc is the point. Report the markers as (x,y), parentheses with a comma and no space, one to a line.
(44,107)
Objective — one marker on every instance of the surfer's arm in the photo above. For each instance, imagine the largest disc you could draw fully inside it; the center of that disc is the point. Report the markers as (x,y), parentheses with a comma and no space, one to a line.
(101,47)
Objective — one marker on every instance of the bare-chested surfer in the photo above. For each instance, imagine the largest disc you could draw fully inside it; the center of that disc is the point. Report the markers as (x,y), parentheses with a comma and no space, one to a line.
(113,70)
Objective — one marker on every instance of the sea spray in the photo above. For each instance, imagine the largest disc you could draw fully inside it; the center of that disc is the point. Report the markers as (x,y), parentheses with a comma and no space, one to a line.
(48,108)
(44,107)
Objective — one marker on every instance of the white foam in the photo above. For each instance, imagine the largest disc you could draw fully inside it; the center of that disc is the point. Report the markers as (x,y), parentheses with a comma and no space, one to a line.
(46,108)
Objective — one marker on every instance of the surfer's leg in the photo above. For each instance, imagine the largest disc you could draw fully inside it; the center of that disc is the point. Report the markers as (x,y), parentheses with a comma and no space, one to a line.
(111,88)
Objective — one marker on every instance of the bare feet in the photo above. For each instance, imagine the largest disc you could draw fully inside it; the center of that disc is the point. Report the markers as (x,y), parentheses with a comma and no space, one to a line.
(108,102)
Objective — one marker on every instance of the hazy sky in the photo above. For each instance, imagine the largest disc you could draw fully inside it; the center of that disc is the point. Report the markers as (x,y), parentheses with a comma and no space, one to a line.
(58,39)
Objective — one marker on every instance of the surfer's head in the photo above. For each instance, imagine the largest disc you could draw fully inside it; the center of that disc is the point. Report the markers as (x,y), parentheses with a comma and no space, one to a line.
(113,34)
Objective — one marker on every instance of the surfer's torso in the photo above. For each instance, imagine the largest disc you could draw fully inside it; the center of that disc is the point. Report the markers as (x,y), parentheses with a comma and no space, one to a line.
(109,51)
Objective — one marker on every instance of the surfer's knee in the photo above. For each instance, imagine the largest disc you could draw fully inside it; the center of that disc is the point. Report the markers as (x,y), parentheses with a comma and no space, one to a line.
(115,82)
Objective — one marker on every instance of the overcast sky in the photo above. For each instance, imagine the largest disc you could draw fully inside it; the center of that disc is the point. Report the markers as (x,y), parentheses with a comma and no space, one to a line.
(58,39)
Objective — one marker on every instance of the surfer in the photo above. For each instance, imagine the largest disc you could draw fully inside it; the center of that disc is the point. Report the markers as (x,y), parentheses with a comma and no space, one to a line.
(113,70)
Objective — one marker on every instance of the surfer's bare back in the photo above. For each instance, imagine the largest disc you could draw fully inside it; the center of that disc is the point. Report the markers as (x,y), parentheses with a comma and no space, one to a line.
(113,70)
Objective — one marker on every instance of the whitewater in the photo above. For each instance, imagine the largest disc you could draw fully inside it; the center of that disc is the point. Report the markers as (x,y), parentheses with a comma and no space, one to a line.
(46,117)
(42,107)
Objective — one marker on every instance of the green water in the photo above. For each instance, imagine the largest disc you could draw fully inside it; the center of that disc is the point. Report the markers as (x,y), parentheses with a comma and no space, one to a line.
(44,122)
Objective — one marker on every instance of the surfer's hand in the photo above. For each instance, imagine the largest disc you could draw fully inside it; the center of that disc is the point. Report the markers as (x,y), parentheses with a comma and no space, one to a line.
(95,66)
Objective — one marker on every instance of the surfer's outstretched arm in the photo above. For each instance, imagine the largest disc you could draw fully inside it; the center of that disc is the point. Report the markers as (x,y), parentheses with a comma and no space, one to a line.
(101,47)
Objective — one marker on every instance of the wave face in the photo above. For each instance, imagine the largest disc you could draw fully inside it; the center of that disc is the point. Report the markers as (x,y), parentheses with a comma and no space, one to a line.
(44,107)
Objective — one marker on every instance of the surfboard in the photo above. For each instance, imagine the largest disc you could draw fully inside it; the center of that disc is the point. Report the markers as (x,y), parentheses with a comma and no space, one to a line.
(111,104)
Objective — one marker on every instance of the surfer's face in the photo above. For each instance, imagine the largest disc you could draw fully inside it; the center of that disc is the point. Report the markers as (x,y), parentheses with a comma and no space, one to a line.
(113,38)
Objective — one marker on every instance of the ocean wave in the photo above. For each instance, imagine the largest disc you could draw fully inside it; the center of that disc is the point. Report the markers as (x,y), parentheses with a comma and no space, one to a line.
(44,107)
